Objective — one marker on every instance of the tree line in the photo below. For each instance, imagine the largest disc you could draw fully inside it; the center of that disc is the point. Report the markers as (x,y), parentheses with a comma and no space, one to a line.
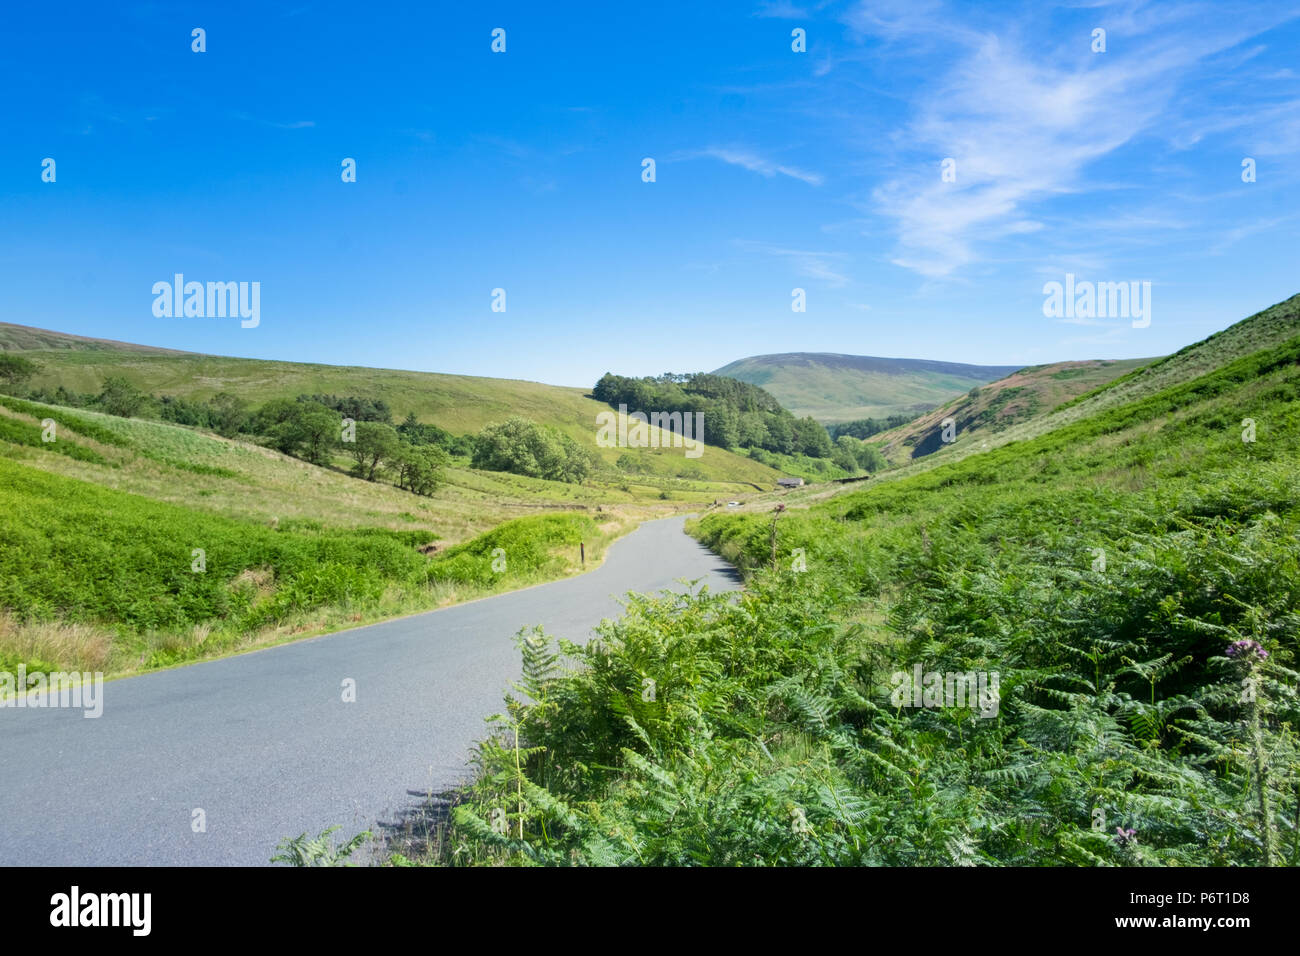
(312,428)
(867,427)
(736,414)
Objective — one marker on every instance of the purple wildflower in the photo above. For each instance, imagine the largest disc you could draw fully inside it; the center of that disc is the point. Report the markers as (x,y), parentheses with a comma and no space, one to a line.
(1245,649)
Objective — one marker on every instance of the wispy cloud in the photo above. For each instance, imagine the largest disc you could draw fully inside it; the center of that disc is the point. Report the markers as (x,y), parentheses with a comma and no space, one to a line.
(1238,233)
(752,161)
(292,124)
(1025,123)
(807,263)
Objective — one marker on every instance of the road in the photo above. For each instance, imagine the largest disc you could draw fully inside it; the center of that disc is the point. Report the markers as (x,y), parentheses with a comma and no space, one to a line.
(264,744)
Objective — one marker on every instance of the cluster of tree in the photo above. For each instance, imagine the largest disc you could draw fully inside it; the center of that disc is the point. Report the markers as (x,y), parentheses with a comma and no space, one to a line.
(377,446)
(413,456)
(306,430)
(422,434)
(15,370)
(223,413)
(523,447)
(849,454)
(866,427)
(736,414)
(853,454)
(57,396)
(314,432)
(353,407)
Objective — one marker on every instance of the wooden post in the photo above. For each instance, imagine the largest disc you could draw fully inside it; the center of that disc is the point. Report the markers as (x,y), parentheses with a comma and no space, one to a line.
(582,552)
(776,513)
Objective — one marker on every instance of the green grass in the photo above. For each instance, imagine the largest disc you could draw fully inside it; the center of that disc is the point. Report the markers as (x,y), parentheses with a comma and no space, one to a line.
(1124,733)
(103,581)
(459,403)
(988,410)
(66,418)
(841,388)
(526,549)
(23,433)
(126,568)
(802,466)
(127,563)
(238,479)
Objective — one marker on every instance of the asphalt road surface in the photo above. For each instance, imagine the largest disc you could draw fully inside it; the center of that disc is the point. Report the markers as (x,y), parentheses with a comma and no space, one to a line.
(265,746)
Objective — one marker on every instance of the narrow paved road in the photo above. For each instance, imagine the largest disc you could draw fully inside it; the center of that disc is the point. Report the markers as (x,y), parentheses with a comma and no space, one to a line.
(263,742)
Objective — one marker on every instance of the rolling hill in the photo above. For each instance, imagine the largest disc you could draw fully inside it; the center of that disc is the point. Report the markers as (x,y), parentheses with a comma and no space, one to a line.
(459,403)
(1266,329)
(839,388)
(99,527)
(998,405)
(105,580)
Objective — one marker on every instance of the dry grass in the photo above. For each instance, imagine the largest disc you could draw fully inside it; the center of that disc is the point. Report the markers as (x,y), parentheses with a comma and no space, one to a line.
(83,647)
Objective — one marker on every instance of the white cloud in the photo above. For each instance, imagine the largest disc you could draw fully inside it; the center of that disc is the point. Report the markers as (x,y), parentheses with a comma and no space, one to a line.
(1023,122)
(753,162)
(807,263)
(292,124)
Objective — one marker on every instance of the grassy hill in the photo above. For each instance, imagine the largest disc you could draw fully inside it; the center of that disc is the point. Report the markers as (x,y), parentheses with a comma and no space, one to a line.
(839,388)
(1265,329)
(995,407)
(459,403)
(99,525)
(25,337)
(1125,579)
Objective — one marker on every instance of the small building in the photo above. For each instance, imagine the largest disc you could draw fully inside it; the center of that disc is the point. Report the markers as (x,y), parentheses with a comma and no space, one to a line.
(790,482)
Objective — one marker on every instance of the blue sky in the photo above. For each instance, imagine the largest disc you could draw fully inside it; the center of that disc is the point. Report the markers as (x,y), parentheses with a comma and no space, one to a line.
(775,170)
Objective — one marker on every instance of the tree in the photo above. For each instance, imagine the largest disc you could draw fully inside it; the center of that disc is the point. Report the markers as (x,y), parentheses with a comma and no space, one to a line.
(577,462)
(514,445)
(780,434)
(868,457)
(185,411)
(812,438)
(724,427)
(229,413)
(120,397)
(844,456)
(286,437)
(418,468)
(15,370)
(523,447)
(318,430)
(375,444)
(275,412)
(751,431)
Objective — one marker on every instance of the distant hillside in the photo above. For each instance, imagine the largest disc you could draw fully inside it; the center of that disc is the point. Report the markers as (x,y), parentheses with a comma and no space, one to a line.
(1263,330)
(839,388)
(998,405)
(459,403)
(17,338)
